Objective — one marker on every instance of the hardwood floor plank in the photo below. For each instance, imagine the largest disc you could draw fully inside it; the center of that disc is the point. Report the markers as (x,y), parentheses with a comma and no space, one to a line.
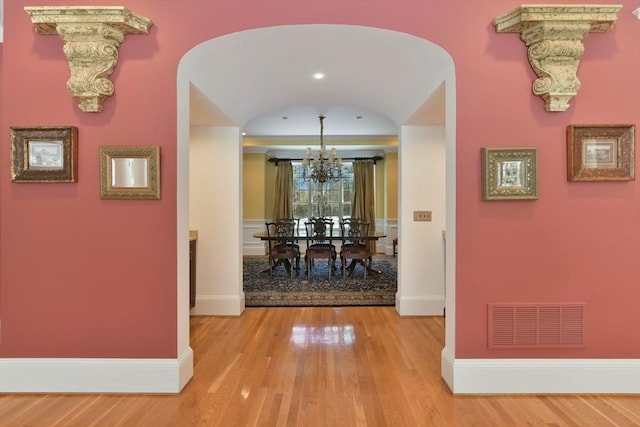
(349,366)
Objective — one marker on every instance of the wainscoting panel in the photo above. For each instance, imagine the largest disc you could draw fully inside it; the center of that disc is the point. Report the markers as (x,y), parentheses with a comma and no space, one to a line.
(250,244)
(390,226)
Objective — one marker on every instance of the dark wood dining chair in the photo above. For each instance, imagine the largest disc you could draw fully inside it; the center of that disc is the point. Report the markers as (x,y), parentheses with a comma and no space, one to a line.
(319,243)
(282,246)
(296,230)
(354,234)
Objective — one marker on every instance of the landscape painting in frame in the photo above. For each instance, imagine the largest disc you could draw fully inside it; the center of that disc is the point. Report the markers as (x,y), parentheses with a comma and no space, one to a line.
(509,173)
(601,152)
(44,154)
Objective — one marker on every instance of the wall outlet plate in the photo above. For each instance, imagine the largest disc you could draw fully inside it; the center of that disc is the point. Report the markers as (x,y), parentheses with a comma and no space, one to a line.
(422,215)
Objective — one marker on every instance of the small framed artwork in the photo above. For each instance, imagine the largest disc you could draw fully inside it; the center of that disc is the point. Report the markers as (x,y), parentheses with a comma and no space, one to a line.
(131,172)
(44,154)
(509,173)
(601,152)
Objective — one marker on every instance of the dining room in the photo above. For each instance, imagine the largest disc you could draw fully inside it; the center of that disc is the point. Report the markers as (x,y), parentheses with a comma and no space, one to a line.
(329,178)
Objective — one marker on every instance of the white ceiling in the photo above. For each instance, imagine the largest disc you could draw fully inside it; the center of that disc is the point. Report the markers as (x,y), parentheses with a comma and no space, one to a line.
(262,81)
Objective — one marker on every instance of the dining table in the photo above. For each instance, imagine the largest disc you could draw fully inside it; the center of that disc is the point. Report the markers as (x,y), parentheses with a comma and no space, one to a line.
(263,235)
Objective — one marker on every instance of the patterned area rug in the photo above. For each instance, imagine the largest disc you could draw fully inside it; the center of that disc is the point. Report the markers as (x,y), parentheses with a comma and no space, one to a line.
(260,291)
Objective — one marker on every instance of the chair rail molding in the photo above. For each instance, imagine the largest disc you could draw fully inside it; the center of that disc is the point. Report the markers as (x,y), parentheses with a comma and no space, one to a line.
(91,36)
(553,35)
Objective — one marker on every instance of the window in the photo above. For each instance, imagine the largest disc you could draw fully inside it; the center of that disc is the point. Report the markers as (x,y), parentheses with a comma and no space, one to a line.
(331,199)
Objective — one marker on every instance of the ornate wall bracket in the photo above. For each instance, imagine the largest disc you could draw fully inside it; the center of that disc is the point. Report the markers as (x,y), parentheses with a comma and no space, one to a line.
(553,35)
(91,36)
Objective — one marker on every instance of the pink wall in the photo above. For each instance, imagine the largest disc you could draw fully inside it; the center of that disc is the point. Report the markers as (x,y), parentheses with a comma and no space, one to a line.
(580,241)
(83,277)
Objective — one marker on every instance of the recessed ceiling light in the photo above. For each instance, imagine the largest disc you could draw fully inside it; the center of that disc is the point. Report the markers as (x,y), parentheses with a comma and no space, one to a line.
(358,117)
(284,117)
(318,76)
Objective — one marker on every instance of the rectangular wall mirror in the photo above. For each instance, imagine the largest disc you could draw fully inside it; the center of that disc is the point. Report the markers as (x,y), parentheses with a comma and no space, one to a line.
(129,172)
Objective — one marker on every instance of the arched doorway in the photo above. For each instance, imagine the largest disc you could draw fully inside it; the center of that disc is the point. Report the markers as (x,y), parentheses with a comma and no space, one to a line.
(232,92)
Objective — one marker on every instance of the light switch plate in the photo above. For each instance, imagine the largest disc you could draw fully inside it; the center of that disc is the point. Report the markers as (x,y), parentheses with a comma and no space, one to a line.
(422,215)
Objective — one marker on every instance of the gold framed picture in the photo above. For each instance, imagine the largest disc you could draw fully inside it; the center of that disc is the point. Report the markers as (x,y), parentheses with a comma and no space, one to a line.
(600,152)
(129,172)
(44,154)
(509,173)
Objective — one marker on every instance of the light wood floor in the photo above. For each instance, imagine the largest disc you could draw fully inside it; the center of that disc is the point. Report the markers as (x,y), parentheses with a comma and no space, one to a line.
(360,366)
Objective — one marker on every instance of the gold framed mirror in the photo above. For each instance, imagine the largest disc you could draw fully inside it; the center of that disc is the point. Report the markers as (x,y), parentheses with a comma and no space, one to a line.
(129,172)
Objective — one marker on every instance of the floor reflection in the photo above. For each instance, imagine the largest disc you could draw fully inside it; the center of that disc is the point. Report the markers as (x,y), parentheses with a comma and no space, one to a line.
(303,336)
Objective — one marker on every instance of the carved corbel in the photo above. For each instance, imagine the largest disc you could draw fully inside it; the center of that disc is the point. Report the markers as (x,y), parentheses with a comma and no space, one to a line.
(91,36)
(553,35)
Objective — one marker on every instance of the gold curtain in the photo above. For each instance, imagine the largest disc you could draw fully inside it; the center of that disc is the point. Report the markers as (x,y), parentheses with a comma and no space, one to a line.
(282,207)
(363,203)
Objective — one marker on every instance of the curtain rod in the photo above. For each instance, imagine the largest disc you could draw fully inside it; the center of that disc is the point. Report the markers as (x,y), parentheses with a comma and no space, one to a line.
(374,158)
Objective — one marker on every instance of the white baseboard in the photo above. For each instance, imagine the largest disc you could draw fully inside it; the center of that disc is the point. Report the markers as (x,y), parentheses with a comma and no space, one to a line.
(541,376)
(96,375)
(218,305)
(420,306)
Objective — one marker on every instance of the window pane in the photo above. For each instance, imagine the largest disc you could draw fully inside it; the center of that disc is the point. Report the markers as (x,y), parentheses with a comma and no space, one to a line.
(346,210)
(331,199)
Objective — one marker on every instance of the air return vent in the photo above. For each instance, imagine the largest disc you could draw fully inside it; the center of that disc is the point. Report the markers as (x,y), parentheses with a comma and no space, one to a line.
(536,326)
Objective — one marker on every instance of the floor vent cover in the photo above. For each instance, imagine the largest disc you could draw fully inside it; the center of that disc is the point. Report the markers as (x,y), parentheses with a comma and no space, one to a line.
(536,326)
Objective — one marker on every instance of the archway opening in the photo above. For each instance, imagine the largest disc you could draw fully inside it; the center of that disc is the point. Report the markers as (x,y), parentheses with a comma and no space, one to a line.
(217,99)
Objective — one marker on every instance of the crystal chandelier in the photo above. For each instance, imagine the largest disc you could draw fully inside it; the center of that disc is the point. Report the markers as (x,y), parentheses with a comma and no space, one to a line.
(321,168)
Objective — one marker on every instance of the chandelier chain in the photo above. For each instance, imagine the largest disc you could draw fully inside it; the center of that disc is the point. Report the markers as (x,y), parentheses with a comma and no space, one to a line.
(320,168)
